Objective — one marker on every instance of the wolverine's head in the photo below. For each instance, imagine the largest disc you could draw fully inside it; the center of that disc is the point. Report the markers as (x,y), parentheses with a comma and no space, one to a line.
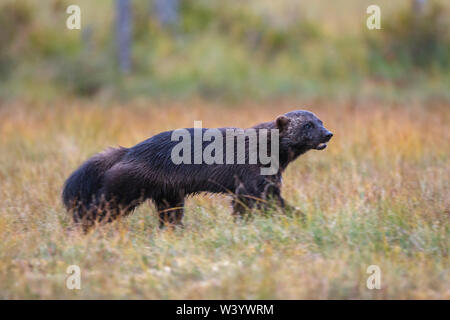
(302,130)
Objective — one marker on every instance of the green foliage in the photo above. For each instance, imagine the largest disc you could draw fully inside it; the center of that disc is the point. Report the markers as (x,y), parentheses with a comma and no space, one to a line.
(85,74)
(412,40)
(195,16)
(15,19)
(218,50)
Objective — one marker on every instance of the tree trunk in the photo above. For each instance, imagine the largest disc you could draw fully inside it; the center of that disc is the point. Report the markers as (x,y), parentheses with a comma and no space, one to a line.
(167,11)
(418,6)
(123,9)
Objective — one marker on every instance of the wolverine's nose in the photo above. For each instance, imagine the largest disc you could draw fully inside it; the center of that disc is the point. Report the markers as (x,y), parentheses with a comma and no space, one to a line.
(328,135)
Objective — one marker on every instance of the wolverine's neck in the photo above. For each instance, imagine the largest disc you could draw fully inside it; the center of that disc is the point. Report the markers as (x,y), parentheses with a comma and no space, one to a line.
(287,153)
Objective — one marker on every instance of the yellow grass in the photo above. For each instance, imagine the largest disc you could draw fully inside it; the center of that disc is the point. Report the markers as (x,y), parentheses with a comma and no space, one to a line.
(379,194)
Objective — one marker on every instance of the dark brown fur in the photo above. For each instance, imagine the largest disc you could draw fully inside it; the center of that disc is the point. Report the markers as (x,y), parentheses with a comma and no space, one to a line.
(114,182)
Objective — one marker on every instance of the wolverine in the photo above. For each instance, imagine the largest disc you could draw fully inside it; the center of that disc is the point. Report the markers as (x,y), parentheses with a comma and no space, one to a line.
(114,182)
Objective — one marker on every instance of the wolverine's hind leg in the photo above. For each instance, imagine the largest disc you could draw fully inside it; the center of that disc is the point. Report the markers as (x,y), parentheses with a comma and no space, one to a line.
(170,211)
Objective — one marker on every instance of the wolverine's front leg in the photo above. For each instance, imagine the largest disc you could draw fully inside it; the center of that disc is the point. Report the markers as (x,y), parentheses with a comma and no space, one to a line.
(244,198)
(242,203)
(272,194)
(170,212)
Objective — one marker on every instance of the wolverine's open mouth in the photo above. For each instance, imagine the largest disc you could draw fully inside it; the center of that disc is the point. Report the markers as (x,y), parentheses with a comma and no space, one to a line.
(325,139)
(321,146)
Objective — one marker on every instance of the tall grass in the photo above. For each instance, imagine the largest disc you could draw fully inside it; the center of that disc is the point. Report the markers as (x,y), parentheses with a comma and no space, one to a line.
(379,194)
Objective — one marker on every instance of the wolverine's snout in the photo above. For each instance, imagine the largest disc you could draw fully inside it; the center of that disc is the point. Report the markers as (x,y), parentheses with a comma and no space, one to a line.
(328,135)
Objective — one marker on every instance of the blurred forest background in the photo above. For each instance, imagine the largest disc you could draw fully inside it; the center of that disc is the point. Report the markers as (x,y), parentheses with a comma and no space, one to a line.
(228,50)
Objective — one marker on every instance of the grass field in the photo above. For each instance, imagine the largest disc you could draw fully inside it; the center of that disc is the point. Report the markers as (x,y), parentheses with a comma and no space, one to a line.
(378,195)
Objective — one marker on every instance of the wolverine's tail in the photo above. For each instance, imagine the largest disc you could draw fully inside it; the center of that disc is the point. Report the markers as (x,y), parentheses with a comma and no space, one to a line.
(83,185)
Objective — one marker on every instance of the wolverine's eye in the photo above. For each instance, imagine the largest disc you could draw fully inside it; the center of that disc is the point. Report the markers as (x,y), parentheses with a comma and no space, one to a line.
(309,125)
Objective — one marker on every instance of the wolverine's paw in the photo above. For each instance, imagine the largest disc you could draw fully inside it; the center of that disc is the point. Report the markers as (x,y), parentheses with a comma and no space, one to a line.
(294,212)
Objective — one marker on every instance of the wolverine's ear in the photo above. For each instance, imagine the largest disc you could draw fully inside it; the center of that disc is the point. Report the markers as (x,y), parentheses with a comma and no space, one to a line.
(282,123)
